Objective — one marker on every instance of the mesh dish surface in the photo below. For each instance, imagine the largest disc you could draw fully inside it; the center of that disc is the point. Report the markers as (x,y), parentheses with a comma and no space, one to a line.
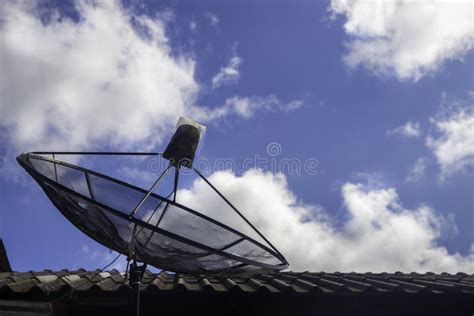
(184,241)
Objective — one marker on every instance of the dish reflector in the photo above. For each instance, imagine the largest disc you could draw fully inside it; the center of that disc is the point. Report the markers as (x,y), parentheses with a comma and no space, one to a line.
(149,227)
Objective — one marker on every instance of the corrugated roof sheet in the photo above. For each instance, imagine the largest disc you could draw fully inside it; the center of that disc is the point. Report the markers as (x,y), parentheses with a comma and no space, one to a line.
(49,283)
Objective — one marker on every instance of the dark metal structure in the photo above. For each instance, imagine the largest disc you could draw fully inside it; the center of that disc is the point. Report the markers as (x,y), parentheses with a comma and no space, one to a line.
(147,227)
(117,214)
(4,262)
(275,293)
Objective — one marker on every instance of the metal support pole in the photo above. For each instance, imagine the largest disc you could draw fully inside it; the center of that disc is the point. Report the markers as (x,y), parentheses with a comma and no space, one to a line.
(55,170)
(131,245)
(153,187)
(98,153)
(136,273)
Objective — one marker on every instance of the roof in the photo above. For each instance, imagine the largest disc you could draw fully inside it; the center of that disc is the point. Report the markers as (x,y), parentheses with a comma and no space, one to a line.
(84,292)
(49,282)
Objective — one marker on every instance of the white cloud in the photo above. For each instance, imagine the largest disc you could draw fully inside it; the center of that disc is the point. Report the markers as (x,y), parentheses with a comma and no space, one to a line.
(229,74)
(404,38)
(136,175)
(72,85)
(69,85)
(104,257)
(246,107)
(193,25)
(378,235)
(453,146)
(417,170)
(409,129)
(293,105)
(213,19)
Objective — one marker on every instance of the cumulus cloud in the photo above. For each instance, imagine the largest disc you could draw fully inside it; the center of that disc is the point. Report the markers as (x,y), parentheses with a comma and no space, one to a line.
(229,74)
(73,83)
(417,170)
(380,234)
(409,129)
(453,144)
(108,78)
(404,38)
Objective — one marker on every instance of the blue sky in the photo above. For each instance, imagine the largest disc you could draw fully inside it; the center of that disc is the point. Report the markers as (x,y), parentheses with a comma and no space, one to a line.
(382,102)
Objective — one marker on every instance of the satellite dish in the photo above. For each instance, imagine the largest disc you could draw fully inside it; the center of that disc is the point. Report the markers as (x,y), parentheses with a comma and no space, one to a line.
(148,227)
